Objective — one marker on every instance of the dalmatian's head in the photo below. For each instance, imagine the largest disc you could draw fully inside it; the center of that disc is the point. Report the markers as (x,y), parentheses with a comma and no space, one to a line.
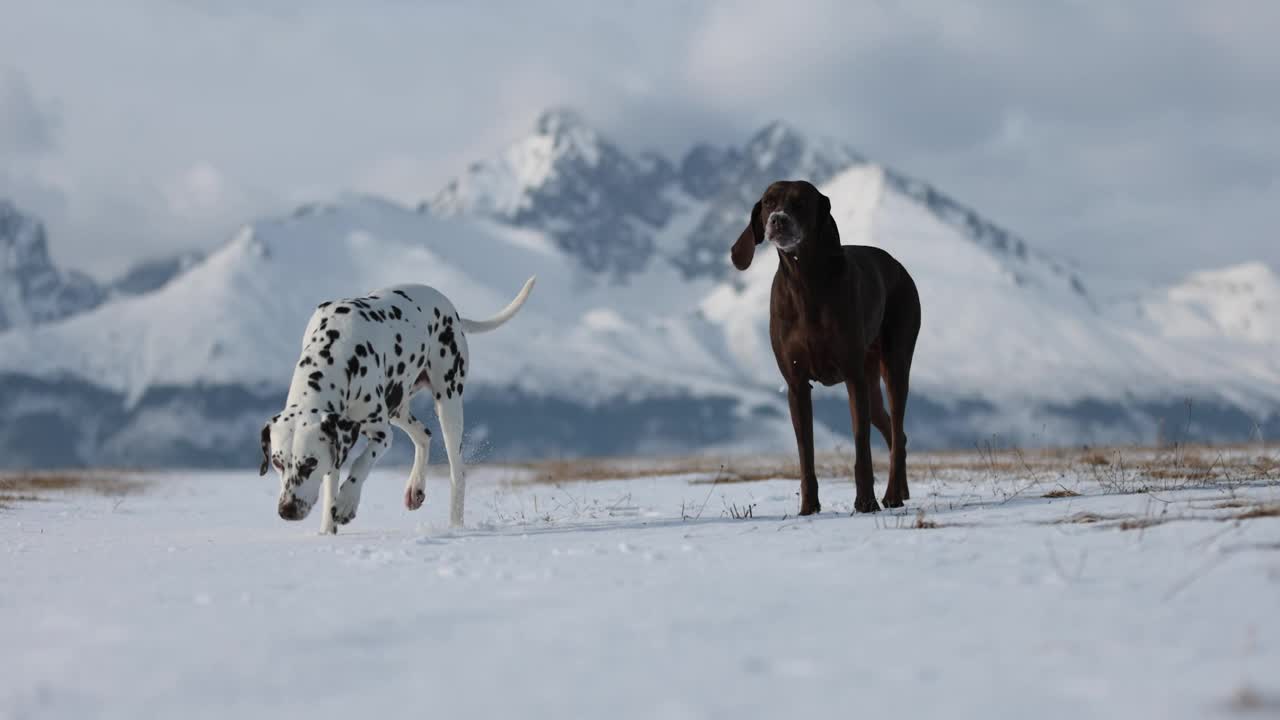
(303,448)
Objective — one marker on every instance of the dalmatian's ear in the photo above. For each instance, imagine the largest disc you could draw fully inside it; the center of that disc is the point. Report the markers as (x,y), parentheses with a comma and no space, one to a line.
(266,449)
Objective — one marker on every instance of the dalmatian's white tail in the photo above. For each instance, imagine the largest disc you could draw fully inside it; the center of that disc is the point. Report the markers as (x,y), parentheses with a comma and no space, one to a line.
(497,321)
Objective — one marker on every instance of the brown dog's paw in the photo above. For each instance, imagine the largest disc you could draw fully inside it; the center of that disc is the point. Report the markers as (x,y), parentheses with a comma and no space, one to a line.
(866,504)
(810,507)
(892,500)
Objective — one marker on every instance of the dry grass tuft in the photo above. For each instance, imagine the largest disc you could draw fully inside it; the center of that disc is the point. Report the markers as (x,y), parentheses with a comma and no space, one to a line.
(1260,511)
(1136,523)
(31,486)
(1083,518)
(1061,493)
(1095,459)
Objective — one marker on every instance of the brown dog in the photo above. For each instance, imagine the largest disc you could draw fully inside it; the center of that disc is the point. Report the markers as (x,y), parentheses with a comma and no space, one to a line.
(838,313)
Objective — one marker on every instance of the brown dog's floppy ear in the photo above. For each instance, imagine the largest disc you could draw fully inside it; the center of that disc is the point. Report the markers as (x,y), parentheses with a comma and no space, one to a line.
(266,449)
(745,248)
(825,221)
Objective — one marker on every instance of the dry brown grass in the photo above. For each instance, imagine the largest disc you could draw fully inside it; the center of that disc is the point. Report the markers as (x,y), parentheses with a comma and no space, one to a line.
(1117,470)
(1060,493)
(32,486)
(1085,518)
(1263,510)
(924,523)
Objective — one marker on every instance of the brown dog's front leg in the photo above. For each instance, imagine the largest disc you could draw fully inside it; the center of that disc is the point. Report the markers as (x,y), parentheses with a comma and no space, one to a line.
(864,480)
(801,399)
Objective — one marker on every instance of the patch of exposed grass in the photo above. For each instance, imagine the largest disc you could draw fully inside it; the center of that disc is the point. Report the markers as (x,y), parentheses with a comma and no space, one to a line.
(1264,510)
(1096,459)
(924,523)
(32,486)
(1061,493)
(1084,518)
(1139,523)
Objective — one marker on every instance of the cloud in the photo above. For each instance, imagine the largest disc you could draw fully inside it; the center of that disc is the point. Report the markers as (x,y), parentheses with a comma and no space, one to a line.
(1094,130)
(28,124)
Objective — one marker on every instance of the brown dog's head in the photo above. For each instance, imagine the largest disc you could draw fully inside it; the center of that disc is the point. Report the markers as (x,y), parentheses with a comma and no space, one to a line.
(792,215)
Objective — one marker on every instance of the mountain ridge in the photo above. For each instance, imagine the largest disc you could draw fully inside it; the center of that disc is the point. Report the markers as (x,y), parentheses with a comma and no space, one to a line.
(614,355)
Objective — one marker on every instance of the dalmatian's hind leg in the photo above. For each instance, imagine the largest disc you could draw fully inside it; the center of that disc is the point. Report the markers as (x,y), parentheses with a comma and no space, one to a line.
(449,411)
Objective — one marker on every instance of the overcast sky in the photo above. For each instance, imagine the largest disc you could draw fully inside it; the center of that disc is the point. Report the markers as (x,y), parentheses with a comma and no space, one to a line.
(1141,138)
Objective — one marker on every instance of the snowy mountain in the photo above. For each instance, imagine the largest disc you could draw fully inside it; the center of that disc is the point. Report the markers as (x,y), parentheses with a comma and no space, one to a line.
(639,338)
(154,273)
(32,289)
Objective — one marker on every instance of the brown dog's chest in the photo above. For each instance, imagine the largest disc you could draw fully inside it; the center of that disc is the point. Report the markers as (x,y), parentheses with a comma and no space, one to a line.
(812,348)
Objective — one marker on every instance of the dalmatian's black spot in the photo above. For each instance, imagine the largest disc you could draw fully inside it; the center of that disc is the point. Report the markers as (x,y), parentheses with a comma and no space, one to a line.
(313,385)
(368,398)
(400,368)
(363,371)
(333,334)
(341,310)
(398,350)
(437,396)
(316,375)
(394,396)
(442,352)
(364,316)
(353,367)
(437,311)
(402,294)
(324,305)
(361,351)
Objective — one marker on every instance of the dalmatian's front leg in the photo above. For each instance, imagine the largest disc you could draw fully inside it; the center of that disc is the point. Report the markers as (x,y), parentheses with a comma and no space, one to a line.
(415,492)
(328,498)
(379,437)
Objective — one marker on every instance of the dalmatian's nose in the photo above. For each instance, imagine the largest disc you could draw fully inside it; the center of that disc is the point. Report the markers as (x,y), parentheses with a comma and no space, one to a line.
(291,509)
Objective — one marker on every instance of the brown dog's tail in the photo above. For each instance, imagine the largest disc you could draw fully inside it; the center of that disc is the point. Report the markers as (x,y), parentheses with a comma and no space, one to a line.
(508,312)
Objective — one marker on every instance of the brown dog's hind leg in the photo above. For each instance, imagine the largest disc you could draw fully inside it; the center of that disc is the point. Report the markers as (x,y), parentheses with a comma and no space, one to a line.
(879,415)
(897,379)
(801,397)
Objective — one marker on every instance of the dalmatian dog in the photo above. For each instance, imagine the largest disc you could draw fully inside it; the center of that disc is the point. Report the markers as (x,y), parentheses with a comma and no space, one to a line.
(362,360)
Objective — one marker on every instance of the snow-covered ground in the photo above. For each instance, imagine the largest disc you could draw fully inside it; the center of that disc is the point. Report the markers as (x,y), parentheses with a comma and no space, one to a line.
(646,598)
